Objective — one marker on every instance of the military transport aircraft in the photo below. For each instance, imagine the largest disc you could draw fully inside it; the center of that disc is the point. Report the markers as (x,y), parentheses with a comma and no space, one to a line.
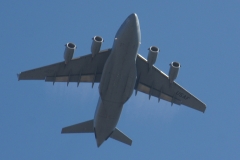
(119,70)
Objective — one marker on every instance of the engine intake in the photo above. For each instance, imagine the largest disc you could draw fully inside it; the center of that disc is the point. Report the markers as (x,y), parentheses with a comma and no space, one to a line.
(173,72)
(69,51)
(96,45)
(152,55)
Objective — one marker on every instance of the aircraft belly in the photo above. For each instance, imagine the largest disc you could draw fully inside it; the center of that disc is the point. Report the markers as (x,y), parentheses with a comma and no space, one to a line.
(117,81)
(116,87)
(119,77)
(106,117)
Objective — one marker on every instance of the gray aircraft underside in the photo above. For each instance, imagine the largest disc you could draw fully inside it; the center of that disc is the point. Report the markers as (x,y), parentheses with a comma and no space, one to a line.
(119,70)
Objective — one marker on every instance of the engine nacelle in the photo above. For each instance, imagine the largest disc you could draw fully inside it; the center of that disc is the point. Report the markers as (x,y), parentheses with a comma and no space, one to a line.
(68,53)
(173,72)
(152,55)
(96,45)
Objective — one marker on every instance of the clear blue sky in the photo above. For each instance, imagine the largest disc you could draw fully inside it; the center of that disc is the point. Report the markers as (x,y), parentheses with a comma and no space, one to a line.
(203,36)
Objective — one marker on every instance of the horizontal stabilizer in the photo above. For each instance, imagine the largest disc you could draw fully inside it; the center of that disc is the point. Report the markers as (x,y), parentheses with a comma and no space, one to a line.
(84,127)
(119,136)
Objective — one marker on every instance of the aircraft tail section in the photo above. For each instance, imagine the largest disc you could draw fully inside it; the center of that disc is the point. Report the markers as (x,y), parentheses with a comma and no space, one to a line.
(119,136)
(84,127)
(87,127)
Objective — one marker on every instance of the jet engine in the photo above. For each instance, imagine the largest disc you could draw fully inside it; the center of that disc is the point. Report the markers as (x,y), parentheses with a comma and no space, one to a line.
(152,55)
(68,53)
(96,45)
(173,72)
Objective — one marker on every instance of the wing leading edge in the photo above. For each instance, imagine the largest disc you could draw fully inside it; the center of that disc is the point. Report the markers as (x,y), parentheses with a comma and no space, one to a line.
(156,83)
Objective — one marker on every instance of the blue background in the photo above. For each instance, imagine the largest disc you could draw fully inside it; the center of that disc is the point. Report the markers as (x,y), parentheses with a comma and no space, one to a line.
(202,35)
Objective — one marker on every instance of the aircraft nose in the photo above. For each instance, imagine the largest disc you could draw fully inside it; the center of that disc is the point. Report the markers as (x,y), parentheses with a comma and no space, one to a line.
(128,25)
(133,19)
(134,23)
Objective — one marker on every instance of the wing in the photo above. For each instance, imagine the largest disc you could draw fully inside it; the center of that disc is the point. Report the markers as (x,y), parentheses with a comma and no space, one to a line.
(82,69)
(156,83)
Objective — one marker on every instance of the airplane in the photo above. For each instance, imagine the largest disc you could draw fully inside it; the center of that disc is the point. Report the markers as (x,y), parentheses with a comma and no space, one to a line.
(119,71)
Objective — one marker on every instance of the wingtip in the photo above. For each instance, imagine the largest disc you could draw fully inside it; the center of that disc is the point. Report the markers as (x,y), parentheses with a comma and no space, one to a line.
(204,110)
(18,76)
(130,144)
(205,107)
(63,131)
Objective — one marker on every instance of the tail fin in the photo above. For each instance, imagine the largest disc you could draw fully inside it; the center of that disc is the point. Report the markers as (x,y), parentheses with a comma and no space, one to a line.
(119,136)
(84,127)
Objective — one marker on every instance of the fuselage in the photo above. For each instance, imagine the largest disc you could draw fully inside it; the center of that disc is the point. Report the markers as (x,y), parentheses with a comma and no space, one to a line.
(118,78)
